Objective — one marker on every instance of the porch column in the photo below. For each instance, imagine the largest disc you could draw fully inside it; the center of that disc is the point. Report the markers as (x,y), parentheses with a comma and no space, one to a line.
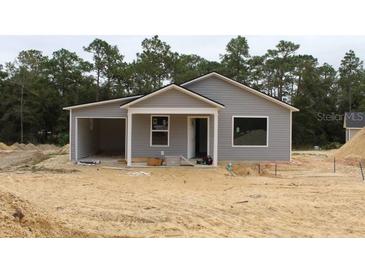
(129,139)
(215,139)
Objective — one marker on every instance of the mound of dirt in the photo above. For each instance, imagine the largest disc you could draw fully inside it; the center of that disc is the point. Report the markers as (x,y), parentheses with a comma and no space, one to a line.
(4,147)
(353,149)
(16,158)
(56,163)
(48,148)
(246,169)
(65,149)
(18,218)
(30,146)
(17,146)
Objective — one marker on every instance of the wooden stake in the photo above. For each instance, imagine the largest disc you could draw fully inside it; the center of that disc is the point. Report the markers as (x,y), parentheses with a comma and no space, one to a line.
(334,164)
(362,171)
(276,168)
(259,169)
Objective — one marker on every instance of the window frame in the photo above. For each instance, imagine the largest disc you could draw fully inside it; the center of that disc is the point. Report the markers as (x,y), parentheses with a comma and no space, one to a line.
(248,116)
(159,130)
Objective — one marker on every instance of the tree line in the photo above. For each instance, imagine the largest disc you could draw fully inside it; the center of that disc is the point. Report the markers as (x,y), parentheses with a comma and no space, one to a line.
(34,87)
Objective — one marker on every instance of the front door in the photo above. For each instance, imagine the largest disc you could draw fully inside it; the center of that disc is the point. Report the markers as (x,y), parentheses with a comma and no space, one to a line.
(198,136)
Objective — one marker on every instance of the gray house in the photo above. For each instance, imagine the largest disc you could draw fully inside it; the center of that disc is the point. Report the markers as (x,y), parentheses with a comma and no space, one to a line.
(210,115)
(353,122)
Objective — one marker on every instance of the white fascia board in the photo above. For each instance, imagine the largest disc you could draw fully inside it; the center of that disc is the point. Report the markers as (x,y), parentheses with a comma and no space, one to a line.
(242,86)
(173,86)
(172,110)
(102,102)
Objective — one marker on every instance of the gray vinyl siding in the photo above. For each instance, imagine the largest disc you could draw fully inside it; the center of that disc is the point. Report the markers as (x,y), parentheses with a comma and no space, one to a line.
(172,99)
(89,140)
(351,132)
(141,137)
(101,111)
(178,136)
(239,102)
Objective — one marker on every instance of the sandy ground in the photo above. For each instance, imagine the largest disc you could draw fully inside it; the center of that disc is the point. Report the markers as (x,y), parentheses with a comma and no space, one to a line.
(305,199)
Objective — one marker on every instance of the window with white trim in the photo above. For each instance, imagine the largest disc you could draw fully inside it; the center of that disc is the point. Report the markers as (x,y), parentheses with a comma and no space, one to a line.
(160,126)
(250,131)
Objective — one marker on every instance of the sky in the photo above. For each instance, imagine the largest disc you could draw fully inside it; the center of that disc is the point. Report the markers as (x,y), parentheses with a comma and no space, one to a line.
(329,49)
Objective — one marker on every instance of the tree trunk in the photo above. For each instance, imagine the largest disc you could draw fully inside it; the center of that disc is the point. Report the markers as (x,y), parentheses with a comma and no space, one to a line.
(350,99)
(21,113)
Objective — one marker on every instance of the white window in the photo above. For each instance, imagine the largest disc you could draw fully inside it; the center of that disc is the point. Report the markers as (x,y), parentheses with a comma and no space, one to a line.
(160,126)
(250,131)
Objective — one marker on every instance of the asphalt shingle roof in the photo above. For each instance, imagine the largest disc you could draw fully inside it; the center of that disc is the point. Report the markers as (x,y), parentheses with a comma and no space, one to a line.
(354,119)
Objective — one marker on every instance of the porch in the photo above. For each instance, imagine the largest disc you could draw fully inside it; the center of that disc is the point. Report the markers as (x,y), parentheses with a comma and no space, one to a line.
(164,132)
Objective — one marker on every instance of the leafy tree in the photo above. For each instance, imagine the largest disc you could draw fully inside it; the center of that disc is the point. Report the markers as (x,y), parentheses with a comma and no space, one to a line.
(67,73)
(22,101)
(256,72)
(187,67)
(351,81)
(34,88)
(316,99)
(235,60)
(107,64)
(280,63)
(154,65)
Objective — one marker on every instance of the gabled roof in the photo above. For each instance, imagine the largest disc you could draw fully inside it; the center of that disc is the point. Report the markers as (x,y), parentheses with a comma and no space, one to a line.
(103,102)
(354,120)
(175,87)
(243,87)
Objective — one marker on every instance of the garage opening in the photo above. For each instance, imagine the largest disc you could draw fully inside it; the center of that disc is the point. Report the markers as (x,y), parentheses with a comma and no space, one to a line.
(100,139)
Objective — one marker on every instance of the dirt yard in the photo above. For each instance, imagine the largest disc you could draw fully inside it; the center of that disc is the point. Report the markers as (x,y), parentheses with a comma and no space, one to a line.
(305,199)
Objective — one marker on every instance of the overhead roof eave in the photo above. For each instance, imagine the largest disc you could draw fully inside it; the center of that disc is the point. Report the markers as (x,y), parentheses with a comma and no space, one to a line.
(102,102)
(181,89)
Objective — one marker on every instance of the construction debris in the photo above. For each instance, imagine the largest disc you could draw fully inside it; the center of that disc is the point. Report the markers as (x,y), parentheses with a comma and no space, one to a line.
(172,160)
(138,173)
(89,162)
(185,162)
(154,162)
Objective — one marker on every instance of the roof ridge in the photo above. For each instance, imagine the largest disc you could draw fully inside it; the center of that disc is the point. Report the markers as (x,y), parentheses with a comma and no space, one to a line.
(181,87)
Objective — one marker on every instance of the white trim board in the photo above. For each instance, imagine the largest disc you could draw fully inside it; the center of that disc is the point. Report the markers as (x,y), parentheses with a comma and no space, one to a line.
(168,130)
(102,102)
(249,116)
(188,133)
(175,87)
(290,134)
(242,86)
(172,110)
(70,135)
(97,117)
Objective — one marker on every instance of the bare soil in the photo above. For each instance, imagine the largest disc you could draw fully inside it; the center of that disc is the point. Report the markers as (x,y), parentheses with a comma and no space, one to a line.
(305,199)
(353,149)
